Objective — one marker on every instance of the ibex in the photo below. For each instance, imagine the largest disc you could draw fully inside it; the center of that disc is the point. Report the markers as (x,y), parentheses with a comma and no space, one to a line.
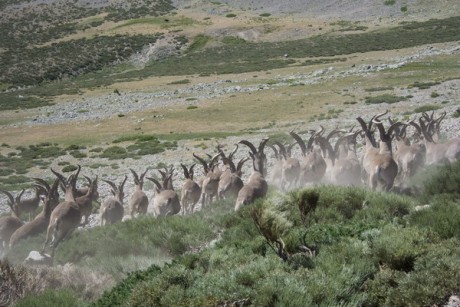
(211,180)
(84,190)
(257,186)
(347,168)
(40,223)
(276,171)
(29,205)
(230,182)
(313,166)
(139,201)
(191,191)
(378,161)
(166,202)
(112,210)
(9,224)
(85,202)
(437,152)
(409,157)
(65,218)
(290,171)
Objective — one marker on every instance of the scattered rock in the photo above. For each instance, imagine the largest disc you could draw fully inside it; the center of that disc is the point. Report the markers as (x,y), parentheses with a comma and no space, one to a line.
(37,258)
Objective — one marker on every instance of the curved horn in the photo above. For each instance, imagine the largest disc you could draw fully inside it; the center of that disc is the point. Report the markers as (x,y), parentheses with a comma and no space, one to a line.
(136,177)
(275,150)
(230,156)
(205,165)
(123,183)
(299,141)
(250,145)
(156,183)
(425,132)
(334,132)
(367,130)
(113,185)
(282,149)
(395,128)
(262,145)
(59,176)
(186,173)
(8,194)
(241,163)
(42,182)
(18,197)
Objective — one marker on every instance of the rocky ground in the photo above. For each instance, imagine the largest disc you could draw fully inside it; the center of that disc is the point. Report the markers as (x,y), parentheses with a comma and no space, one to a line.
(110,105)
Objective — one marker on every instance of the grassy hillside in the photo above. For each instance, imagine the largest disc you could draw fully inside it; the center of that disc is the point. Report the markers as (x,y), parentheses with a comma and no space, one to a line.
(75,59)
(227,71)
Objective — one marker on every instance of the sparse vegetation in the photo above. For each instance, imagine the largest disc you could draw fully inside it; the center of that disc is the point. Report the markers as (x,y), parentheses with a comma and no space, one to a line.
(385,98)
(182,81)
(426,108)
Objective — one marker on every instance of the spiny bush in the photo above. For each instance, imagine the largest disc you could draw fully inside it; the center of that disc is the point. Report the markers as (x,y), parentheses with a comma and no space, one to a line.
(440,180)
(434,275)
(442,217)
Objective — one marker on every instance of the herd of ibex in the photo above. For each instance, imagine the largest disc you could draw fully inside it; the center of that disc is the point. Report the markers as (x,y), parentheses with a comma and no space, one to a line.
(393,156)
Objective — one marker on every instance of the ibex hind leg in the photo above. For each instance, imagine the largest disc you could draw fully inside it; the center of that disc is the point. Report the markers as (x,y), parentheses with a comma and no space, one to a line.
(50,233)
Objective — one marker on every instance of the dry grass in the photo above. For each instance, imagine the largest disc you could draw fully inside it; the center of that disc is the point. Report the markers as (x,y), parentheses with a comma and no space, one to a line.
(239,111)
(20,281)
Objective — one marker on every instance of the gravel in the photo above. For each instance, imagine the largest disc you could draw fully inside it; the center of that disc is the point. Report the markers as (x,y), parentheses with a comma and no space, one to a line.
(101,107)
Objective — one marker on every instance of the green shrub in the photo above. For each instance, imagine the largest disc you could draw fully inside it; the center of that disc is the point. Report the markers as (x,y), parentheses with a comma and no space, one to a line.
(199,42)
(265,15)
(385,98)
(441,180)
(233,40)
(434,275)
(114,153)
(443,217)
(78,154)
(64,298)
(230,15)
(389,2)
(6,171)
(398,247)
(456,114)
(426,108)
(69,168)
(424,85)
(182,81)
